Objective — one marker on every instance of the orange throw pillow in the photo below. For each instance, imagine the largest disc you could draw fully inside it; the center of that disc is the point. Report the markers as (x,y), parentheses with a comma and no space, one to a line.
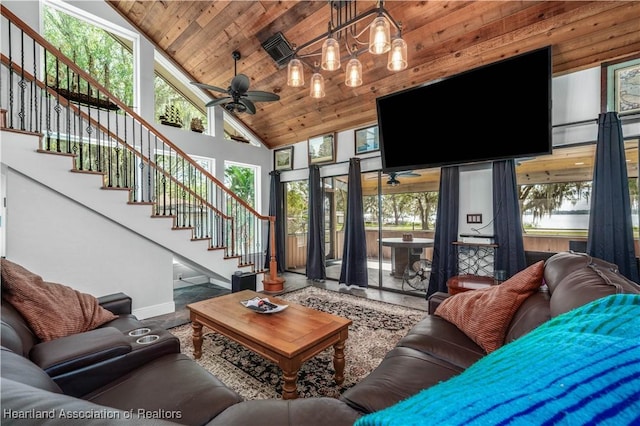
(52,310)
(485,314)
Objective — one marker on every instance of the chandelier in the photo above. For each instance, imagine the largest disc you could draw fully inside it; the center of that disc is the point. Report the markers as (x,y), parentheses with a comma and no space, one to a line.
(342,32)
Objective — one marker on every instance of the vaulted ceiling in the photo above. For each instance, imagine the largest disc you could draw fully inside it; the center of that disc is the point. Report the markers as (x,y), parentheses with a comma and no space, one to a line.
(443,38)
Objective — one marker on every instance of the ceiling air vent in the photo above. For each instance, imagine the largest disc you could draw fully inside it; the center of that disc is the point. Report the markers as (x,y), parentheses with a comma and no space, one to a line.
(278,48)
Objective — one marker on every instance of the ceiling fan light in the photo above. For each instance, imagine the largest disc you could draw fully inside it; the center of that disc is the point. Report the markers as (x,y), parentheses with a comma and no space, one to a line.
(397,55)
(317,86)
(295,73)
(353,75)
(379,37)
(330,54)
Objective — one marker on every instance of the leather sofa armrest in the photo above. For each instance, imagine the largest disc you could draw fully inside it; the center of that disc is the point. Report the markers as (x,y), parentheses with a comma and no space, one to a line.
(117,303)
(435,300)
(71,353)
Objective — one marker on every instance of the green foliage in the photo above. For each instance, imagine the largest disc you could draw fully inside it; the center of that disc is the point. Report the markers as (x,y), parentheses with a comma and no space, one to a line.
(96,51)
(167,96)
(241,180)
(297,206)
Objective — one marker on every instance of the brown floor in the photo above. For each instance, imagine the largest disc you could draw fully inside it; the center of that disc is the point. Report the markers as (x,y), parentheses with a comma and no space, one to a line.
(293,281)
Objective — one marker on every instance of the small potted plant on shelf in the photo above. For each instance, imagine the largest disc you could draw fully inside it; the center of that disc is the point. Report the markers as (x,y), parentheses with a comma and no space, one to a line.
(196,125)
(172,116)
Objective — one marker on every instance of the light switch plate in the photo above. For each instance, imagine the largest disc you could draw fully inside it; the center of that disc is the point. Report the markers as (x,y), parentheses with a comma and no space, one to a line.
(474,218)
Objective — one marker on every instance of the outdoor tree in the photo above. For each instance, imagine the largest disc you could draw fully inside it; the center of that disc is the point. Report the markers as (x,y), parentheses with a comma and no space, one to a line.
(106,58)
(543,199)
(297,207)
(240,180)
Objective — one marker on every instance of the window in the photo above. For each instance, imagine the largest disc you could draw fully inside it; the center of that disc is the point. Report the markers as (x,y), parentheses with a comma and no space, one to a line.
(555,190)
(176,101)
(243,179)
(390,210)
(106,55)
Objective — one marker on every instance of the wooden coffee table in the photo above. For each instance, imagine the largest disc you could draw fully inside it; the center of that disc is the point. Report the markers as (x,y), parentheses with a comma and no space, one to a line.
(288,338)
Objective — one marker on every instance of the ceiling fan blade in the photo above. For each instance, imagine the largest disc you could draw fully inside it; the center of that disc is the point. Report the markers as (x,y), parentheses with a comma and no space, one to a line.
(258,96)
(408,174)
(251,108)
(209,87)
(240,83)
(217,101)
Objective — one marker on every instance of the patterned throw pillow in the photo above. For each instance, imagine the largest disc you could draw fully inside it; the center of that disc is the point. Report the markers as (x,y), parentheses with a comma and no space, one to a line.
(52,310)
(485,314)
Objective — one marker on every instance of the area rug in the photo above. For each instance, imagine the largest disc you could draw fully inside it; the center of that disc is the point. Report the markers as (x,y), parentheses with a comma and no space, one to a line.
(376,328)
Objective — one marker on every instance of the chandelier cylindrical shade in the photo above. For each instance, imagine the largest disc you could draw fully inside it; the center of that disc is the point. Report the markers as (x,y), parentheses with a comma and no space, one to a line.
(317,86)
(397,55)
(353,75)
(295,73)
(379,38)
(330,54)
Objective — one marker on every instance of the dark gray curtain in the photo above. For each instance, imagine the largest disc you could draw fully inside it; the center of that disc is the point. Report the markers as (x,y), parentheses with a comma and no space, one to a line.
(610,227)
(354,255)
(276,208)
(444,262)
(316,269)
(507,223)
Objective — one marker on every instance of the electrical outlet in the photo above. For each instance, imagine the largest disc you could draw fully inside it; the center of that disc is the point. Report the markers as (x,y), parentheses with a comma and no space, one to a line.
(474,218)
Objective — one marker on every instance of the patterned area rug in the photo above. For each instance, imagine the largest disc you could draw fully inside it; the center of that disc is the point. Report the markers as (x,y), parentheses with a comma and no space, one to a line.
(376,328)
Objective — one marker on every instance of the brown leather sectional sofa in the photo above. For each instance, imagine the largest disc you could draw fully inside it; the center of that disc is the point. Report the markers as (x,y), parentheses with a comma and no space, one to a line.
(105,377)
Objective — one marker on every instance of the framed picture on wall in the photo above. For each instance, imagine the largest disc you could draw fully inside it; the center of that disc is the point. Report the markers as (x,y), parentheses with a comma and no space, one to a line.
(322,149)
(367,140)
(283,158)
(621,86)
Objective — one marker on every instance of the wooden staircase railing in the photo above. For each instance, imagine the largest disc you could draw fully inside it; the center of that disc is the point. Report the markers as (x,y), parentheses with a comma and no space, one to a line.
(79,117)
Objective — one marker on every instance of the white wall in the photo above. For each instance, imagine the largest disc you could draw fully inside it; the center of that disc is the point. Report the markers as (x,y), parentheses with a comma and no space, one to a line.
(106,258)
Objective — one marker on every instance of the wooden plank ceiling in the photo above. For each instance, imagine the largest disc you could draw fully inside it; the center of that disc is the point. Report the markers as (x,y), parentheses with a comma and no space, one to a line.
(443,37)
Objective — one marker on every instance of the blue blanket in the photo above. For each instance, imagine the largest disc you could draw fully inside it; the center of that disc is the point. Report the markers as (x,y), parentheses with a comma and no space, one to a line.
(580,368)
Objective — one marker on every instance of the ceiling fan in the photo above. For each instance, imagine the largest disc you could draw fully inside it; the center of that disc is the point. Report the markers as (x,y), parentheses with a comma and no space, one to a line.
(393,177)
(240,98)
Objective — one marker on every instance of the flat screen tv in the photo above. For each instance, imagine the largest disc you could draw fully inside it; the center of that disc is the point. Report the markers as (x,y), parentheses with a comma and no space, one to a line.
(498,111)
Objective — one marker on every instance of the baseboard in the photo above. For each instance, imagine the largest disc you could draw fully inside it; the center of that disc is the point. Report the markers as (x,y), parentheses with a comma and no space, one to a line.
(187,282)
(224,284)
(155,310)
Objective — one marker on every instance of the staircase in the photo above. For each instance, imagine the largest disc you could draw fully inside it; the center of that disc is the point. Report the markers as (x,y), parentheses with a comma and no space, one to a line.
(75,138)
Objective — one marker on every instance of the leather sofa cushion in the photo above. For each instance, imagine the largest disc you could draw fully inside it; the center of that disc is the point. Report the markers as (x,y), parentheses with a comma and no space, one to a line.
(15,333)
(533,312)
(52,310)
(294,412)
(441,339)
(20,399)
(16,367)
(484,315)
(173,383)
(587,284)
(403,372)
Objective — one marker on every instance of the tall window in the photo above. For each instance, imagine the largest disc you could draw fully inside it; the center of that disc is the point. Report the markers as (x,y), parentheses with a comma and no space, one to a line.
(391,209)
(107,57)
(242,179)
